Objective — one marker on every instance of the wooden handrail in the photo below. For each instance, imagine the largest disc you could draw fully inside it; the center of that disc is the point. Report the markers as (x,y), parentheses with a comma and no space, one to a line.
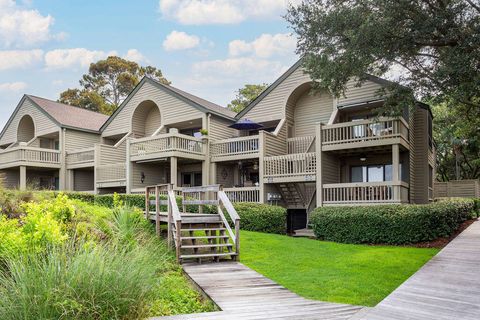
(222,197)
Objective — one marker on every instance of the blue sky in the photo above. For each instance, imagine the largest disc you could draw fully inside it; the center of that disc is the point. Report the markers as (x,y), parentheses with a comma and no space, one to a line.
(207,47)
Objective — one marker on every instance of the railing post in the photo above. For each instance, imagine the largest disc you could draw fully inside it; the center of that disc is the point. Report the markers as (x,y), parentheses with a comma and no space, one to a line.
(169,218)
(318,151)
(157,210)
(147,202)
(237,239)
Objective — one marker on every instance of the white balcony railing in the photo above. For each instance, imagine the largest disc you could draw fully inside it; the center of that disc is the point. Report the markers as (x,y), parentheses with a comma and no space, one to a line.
(290,165)
(165,143)
(365,192)
(300,144)
(234,146)
(111,173)
(29,154)
(243,194)
(80,156)
(364,130)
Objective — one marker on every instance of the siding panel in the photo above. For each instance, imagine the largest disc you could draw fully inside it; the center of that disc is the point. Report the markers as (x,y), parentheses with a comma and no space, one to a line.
(172,109)
(311,109)
(43,124)
(75,140)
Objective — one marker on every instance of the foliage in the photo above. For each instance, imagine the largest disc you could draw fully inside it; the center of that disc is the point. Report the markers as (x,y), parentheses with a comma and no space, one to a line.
(107,84)
(76,283)
(261,217)
(391,224)
(204,132)
(344,273)
(12,240)
(83,98)
(457,135)
(246,95)
(69,259)
(434,45)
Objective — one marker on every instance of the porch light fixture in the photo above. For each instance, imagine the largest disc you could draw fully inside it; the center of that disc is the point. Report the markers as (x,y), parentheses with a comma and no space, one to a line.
(363,158)
(142,177)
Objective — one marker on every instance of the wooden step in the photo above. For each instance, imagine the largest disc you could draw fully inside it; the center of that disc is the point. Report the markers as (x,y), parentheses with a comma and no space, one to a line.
(204,237)
(201,246)
(207,255)
(204,229)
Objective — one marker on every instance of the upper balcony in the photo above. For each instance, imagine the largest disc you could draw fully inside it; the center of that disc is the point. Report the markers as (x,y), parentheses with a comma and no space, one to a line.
(167,145)
(365,134)
(29,156)
(235,148)
(80,158)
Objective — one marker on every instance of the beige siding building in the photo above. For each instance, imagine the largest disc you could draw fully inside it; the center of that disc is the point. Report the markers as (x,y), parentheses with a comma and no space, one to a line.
(312,149)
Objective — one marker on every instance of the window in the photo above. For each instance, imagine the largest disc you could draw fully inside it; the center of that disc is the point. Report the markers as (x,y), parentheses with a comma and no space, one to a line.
(195,132)
(191,179)
(371,173)
(375,173)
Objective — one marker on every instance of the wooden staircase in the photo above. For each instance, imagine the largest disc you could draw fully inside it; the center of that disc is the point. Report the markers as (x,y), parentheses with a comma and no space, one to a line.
(297,195)
(197,236)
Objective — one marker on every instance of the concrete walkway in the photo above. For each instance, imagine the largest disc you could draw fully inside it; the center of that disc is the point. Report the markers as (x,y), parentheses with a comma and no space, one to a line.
(446,287)
(242,293)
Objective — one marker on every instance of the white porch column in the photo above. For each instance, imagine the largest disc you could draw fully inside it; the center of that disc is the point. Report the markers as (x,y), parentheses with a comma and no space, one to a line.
(129,169)
(261,166)
(318,151)
(173,171)
(213,172)
(396,171)
(62,174)
(206,162)
(69,180)
(23,178)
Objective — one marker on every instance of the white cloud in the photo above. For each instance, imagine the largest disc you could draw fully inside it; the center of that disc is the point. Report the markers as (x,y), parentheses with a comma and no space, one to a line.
(248,68)
(24,27)
(15,59)
(12,86)
(197,12)
(71,58)
(134,55)
(178,40)
(264,46)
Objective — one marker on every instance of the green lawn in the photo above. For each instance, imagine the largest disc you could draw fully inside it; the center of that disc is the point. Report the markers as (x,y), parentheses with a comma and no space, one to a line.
(327,271)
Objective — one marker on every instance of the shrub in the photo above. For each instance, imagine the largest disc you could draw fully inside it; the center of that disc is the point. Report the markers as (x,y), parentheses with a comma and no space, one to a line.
(390,224)
(75,283)
(12,241)
(262,217)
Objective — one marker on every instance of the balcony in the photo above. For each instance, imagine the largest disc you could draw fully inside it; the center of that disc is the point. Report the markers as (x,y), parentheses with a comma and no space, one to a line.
(111,175)
(235,148)
(365,193)
(300,144)
(80,158)
(243,194)
(364,134)
(29,156)
(167,145)
(299,167)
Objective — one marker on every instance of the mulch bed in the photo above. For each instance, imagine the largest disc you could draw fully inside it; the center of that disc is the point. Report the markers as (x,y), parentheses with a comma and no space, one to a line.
(442,242)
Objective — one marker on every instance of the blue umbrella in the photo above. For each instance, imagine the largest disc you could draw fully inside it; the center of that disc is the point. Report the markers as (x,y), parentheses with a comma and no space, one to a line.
(245,124)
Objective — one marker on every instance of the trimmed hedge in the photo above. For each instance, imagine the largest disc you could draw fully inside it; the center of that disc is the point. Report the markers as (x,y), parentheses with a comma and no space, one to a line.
(262,217)
(391,224)
(254,216)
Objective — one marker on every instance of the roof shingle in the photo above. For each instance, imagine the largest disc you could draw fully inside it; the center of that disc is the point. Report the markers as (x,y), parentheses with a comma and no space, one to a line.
(71,116)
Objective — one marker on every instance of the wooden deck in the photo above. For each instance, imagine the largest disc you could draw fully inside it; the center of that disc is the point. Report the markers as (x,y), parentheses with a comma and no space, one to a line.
(447,287)
(242,293)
